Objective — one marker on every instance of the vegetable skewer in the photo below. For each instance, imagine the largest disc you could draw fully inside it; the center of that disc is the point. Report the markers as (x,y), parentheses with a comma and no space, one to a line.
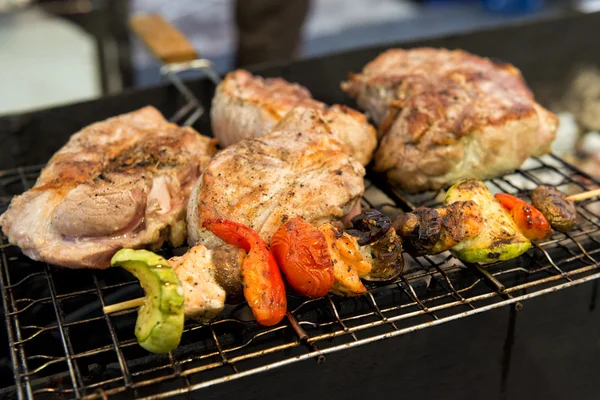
(159,325)
(425,231)
(305,254)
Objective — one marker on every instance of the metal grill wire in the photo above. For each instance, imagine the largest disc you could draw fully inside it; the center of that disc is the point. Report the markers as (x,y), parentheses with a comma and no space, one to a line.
(62,344)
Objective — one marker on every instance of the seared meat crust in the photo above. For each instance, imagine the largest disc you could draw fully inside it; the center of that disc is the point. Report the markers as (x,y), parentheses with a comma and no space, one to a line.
(247,106)
(447,115)
(122,182)
(264,182)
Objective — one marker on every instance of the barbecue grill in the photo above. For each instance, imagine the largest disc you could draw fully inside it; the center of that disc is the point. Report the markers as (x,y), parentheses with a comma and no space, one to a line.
(62,345)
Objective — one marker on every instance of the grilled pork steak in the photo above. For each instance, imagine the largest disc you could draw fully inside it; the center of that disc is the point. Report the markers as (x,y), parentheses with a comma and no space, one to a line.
(447,115)
(266,181)
(247,106)
(120,183)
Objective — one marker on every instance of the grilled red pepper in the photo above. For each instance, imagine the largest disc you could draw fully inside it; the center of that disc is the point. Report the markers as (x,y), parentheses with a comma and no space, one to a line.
(303,256)
(264,289)
(530,221)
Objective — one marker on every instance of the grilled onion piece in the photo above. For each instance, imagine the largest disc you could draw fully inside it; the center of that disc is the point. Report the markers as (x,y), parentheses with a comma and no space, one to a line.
(499,238)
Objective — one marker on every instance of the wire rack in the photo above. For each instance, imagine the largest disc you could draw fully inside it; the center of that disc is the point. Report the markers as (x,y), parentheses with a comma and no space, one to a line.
(62,344)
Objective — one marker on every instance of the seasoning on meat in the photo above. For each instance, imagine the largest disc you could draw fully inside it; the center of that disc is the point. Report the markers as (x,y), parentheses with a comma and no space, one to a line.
(264,182)
(247,106)
(448,115)
(120,183)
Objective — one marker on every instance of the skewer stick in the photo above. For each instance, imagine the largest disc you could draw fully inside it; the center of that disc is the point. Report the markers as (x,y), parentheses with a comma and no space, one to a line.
(113,308)
(584,195)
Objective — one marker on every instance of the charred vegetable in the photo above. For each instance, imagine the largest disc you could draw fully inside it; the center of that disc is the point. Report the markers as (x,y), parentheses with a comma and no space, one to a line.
(303,255)
(228,260)
(558,210)
(420,230)
(381,245)
(499,238)
(432,231)
(461,220)
(387,262)
(159,325)
(369,226)
(264,289)
(529,219)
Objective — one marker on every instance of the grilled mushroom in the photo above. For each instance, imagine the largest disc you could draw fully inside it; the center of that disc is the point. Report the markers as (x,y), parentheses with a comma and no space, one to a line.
(380,243)
(228,260)
(369,226)
(420,230)
(555,206)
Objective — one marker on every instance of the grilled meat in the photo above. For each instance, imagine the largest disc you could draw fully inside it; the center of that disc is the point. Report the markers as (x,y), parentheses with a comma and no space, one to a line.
(247,106)
(558,210)
(448,115)
(434,230)
(208,278)
(120,183)
(204,298)
(264,182)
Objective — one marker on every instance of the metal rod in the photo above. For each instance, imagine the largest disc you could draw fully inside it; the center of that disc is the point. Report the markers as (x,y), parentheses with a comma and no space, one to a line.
(113,337)
(73,370)
(11,334)
(500,288)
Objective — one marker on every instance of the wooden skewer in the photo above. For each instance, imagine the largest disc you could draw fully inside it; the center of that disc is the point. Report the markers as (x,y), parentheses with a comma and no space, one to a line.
(584,195)
(113,308)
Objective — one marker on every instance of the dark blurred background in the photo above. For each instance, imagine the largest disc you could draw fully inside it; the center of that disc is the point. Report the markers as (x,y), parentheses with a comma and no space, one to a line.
(54,52)
(60,51)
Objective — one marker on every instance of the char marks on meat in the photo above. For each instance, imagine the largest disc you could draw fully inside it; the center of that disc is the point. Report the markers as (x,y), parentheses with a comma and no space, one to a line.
(447,115)
(265,181)
(247,106)
(120,183)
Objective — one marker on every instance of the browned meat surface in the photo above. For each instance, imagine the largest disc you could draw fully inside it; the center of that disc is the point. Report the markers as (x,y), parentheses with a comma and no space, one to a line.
(447,115)
(120,183)
(287,173)
(247,106)
(558,210)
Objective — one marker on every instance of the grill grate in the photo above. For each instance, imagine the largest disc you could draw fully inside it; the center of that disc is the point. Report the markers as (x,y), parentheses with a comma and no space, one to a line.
(62,343)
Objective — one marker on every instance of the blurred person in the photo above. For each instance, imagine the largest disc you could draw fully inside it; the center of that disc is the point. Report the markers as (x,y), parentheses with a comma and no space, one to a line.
(268,30)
